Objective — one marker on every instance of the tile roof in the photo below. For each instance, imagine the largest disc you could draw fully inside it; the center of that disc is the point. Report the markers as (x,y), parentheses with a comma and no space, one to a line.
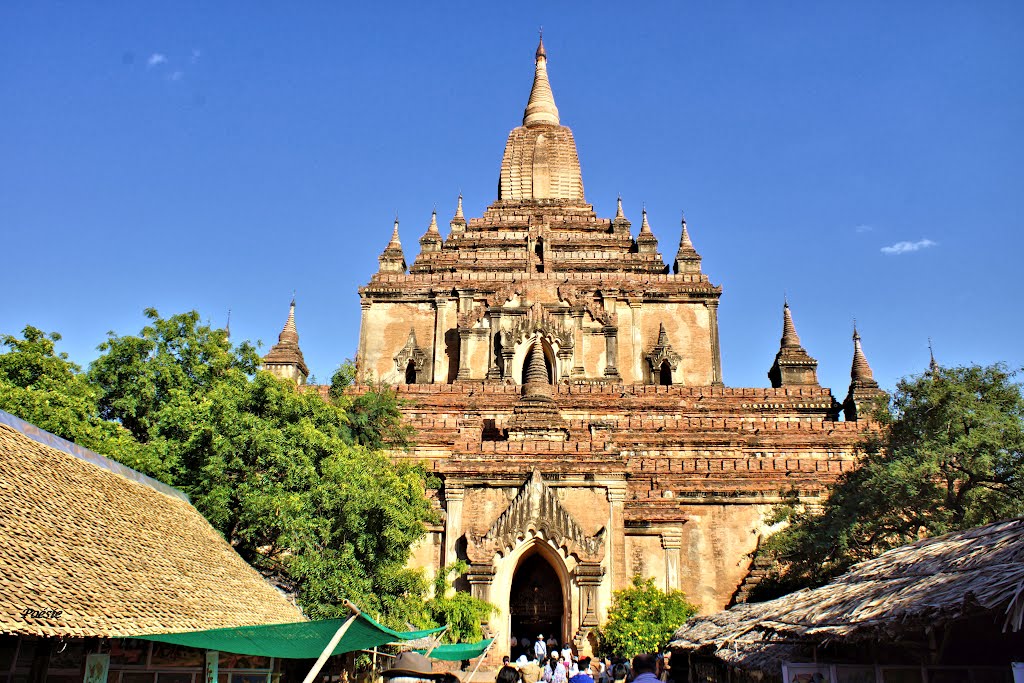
(115,555)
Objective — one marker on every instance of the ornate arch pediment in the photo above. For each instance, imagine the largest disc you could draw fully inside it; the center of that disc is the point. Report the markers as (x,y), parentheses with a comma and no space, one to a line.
(536,509)
(662,352)
(538,320)
(411,352)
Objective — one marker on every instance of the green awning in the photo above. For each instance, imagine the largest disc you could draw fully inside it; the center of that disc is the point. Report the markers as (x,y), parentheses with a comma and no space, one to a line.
(301,640)
(458,651)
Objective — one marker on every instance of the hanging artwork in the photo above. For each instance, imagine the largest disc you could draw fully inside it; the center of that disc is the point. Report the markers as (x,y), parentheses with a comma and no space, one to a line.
(96,668)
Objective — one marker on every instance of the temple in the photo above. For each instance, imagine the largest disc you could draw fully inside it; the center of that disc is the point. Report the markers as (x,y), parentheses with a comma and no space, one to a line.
(564,381)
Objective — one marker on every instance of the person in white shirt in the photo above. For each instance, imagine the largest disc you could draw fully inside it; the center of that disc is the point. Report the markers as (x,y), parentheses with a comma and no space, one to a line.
(540,648)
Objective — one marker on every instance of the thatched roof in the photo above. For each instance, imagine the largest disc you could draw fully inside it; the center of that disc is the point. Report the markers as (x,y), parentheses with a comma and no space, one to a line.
(90,547)
(927,583)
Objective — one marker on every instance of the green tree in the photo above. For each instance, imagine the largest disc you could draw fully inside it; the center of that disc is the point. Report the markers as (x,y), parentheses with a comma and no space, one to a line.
(288,479)
(45,388)
(459,610)
(950,456)
(643,618)
(374,416)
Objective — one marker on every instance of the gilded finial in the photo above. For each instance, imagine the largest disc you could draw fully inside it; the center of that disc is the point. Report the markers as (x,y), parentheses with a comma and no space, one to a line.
(541,109)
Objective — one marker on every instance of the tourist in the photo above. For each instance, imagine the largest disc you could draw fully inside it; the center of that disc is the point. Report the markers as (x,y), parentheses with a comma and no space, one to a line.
(547,673)
(540,648)
(560,673)
(552,643)
(619,673)
(583,672)
(645,668)
(411,667)
(508,674)
(567,653)
(528,669)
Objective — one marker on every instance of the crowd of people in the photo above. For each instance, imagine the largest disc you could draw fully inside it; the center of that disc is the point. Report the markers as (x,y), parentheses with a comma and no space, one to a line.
(536,661)
(543,660)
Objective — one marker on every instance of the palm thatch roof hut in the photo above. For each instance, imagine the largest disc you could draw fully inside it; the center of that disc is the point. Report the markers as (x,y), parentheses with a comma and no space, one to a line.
(92,551)
(953,600)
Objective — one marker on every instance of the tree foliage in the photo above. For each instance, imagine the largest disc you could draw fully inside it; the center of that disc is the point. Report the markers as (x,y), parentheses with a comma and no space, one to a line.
(296,484)
(459,610)
(950,456)
(643,618)
(44,387)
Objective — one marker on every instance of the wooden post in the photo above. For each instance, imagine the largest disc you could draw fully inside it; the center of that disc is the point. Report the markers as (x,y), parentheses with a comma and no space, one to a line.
(480,661)
(322,659)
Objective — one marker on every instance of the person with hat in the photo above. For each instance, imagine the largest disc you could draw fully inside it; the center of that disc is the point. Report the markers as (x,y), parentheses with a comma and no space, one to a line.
(540,648)
(410,667)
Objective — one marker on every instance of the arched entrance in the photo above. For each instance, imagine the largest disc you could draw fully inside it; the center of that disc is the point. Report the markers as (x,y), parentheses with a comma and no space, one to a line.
(536,601)
(665,374)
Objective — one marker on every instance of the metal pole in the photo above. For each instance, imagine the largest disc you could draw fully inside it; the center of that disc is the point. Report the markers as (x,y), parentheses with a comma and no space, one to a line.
(332,644)
(480,661)
(437,639)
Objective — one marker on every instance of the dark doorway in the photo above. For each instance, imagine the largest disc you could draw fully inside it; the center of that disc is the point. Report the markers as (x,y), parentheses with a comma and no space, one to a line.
(451,349)
(536,601)
(665,374)
(410,372)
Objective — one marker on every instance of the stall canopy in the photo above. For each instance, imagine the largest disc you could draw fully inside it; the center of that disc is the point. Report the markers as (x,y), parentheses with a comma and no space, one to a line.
(457,652)
(301,640)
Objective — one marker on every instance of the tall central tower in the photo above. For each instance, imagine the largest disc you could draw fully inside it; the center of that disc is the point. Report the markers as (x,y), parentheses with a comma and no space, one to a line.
(540,270)
(564,384)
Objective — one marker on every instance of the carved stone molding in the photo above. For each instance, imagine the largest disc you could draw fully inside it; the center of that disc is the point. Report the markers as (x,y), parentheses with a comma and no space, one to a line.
(536,509)
(662,352)
(537,320)
(502,295)
(411,352)
(471,317)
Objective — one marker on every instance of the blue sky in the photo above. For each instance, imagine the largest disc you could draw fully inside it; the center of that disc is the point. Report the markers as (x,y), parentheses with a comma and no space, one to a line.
(217,156)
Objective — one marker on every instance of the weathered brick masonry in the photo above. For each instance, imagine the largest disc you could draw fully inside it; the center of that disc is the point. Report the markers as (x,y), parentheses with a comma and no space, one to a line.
(565,385)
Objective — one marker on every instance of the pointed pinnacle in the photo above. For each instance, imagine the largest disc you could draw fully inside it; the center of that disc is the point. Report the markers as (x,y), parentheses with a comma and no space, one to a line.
(644,225)
(541,109)
(860,371)
(790,339)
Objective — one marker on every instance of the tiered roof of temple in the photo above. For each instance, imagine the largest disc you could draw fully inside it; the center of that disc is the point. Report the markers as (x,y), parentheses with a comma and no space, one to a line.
(545,349)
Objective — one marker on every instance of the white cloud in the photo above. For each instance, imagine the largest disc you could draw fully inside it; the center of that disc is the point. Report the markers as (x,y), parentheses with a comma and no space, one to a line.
(176,75)
(907,247)
(196,54)
(863,227)
(155,59)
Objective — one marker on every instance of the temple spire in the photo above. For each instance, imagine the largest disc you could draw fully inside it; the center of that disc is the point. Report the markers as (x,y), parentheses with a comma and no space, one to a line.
(645,227)
(431,240)
(687,258)
(793,366)
(458,221)
(392,260)
(933,366)
(541,109)
(289,333)
(618,208)
(646,242)
(860,371)
(285,357)
(790,338)
(863,387)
